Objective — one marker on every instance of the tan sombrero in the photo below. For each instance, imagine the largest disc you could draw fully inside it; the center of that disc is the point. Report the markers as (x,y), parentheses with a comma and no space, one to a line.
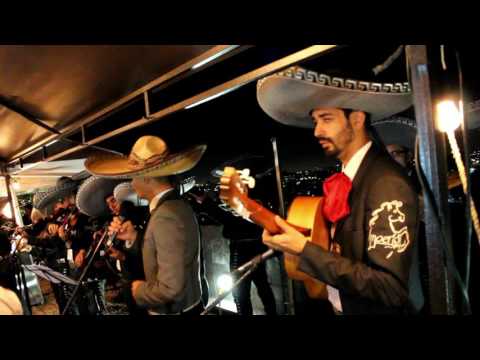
(289,96)
(91,195)
(149,157)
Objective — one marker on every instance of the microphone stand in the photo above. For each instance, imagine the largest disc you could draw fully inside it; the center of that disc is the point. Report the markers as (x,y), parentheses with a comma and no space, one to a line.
(248,268)
(85,271)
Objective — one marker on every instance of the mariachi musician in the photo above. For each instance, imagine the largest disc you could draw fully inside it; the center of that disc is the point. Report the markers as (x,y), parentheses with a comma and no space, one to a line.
(72,228)
(103,199)
(371,205)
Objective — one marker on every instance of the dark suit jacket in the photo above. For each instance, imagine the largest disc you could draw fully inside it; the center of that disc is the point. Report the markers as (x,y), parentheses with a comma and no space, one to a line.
(376,241)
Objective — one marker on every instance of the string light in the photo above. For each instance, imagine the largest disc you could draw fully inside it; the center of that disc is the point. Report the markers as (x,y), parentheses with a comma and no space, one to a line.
(7,211)
(224,283)
(16,185)
(449,118)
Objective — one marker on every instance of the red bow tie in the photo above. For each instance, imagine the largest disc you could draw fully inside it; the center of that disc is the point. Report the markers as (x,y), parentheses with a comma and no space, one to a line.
(336,190)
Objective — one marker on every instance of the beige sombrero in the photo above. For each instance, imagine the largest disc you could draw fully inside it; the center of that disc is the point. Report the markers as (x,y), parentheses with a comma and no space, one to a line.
(149,157)
(290,95)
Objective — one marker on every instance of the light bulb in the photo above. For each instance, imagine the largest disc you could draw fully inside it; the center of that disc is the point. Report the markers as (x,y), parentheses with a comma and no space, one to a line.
(448,116)
(16,186)
(224,282)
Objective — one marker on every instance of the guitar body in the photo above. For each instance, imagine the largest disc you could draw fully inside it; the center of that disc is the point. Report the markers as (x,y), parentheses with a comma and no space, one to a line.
(306,212)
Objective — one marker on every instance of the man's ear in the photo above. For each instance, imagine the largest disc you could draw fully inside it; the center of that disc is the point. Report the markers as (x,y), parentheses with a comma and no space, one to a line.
(357,119)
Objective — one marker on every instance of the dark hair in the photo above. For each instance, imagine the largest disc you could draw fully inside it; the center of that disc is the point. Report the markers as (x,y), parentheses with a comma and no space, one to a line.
(107,196)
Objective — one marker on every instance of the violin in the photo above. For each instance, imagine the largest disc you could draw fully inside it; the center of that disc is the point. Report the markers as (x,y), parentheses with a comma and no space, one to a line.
(70,221)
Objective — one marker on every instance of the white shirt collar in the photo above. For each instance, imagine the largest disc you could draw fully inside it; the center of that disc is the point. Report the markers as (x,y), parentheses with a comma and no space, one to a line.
(154,202)
(352,166)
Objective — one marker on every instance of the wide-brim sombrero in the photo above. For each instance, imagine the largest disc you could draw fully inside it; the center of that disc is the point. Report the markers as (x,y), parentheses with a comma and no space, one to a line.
(289,96)
(397,130)
(46,199)
(120,167)
(91,195)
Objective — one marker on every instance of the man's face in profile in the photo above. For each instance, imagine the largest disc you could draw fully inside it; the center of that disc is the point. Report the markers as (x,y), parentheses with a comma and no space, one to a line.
(398,153)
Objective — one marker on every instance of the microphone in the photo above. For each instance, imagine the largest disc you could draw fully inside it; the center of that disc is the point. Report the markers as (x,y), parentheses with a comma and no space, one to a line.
(126,212)
(113,236)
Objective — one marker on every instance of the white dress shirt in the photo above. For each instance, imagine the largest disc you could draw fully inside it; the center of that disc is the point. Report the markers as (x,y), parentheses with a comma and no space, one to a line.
(350,169)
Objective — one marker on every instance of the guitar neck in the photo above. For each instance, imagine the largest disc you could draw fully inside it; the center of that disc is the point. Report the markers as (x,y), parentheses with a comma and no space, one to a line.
(266,219)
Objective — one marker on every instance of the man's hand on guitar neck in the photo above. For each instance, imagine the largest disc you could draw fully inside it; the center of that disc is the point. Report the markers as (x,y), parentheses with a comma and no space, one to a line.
(290,241)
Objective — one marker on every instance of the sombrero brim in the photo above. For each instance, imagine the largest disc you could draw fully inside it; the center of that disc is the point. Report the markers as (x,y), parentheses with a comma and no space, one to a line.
(115,166)
(290,100)
(91,195)
(400,131)
(52,195)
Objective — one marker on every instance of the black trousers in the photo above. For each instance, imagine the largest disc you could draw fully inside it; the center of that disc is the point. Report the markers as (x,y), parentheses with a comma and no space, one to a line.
(240,253)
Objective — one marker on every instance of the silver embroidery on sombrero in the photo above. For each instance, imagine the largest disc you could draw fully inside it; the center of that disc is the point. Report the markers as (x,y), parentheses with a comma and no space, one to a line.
(295,72)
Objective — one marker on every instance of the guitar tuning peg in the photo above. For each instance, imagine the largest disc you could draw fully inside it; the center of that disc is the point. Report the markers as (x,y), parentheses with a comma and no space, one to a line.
(244,173)
(250,182)
(246,178)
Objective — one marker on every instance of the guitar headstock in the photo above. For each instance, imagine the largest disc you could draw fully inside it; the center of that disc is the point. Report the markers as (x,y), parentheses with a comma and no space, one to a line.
(234,185)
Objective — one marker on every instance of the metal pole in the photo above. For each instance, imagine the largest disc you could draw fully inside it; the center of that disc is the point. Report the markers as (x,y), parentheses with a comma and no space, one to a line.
(433,163)
(290,304)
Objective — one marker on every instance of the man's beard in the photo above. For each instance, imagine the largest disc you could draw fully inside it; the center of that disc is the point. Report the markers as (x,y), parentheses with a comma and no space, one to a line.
(334,151)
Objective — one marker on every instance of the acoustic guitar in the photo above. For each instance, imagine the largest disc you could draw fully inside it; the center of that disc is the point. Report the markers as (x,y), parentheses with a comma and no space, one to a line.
(304,214)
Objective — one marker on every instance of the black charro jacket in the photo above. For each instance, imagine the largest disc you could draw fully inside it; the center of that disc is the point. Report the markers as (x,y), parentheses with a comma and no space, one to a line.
(376,241)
